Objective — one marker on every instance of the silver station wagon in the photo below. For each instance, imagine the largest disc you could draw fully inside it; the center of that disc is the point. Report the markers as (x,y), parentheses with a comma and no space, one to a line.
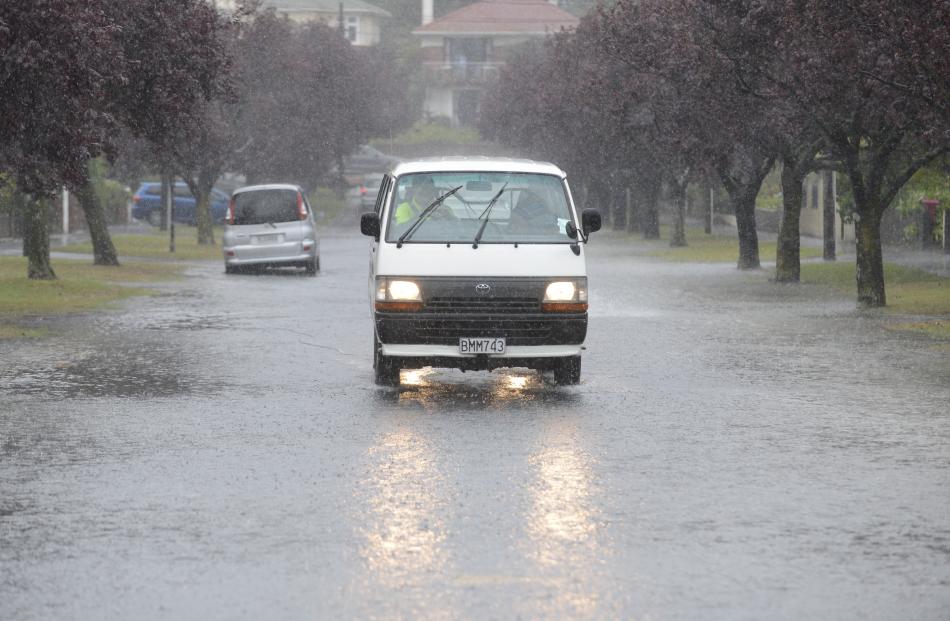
(270,226)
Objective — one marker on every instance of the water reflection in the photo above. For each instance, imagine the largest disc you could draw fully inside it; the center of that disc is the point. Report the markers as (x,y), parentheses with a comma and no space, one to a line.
(441,390)
(404,530)
(562,524)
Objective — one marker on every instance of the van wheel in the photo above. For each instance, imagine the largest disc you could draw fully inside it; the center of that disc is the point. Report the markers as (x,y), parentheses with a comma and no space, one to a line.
(567,371)
(312,266)
(155,217)
(386,368)
(230,269)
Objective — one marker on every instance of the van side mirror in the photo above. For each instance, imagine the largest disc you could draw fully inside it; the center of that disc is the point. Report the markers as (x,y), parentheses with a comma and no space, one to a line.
(369,225)
(590,221)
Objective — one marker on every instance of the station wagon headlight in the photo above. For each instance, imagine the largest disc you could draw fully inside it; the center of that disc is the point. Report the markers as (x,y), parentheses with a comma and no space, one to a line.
(566,296)
(397,295)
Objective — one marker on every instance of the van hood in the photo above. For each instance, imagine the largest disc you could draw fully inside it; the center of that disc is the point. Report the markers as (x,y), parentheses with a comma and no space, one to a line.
(415,259)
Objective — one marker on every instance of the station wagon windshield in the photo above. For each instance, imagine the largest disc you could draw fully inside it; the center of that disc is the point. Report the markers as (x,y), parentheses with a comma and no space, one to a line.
(530,208)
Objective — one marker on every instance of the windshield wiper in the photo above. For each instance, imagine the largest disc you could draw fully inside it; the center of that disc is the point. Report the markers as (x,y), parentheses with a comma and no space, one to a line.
(487,214)
(425,214)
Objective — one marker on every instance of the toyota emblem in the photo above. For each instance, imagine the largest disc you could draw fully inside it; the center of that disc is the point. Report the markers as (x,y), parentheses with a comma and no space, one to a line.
(482,289)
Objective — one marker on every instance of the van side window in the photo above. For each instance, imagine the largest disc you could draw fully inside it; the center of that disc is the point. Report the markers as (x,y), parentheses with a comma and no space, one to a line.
(381,195)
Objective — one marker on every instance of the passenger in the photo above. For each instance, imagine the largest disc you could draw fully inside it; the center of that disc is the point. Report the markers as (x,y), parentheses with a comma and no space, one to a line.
(532,216)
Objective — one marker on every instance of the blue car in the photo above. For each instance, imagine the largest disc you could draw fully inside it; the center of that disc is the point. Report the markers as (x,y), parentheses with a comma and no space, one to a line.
(147,204)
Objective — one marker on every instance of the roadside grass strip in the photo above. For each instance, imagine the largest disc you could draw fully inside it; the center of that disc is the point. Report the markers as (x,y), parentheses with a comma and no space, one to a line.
(705,248)
(155,245)
(80,287)
(910,291)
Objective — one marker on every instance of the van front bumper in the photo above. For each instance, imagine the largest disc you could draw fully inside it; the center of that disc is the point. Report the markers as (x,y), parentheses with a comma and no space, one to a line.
(443,330)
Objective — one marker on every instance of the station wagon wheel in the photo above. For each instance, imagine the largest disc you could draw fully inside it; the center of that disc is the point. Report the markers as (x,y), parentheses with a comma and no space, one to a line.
(567,371)
(155,217)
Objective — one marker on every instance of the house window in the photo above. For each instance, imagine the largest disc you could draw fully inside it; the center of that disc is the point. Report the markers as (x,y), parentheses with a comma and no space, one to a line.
(461,51)
(352,28)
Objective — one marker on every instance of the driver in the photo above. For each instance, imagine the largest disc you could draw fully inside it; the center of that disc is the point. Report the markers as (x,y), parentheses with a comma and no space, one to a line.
(418,197)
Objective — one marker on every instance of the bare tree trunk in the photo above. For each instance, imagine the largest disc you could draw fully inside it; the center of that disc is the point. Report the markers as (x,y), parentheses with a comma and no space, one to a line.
(678,198)
(649,195)
(630,207)
(870,260)
(743,200)
(201,190)
(36,240)
(788,265)
(829,217)
(618,206)
(103,250)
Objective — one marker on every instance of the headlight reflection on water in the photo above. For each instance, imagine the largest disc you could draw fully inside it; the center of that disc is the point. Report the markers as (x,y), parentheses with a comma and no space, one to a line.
(404,530)
(563,527)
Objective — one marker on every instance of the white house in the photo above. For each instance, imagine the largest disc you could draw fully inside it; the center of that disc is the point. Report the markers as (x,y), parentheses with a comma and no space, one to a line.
(463,50)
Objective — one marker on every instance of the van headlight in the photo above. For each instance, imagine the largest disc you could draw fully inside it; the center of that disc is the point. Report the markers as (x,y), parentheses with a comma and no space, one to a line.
(397,295)
(567,295)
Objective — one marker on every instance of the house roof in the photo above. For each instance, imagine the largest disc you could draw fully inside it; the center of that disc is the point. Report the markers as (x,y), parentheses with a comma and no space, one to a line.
(327,6)
(501,17)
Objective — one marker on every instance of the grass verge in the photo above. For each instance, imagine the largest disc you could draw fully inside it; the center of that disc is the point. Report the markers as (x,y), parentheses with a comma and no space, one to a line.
(705,248)
(80,287)
(910,291)
(155,245)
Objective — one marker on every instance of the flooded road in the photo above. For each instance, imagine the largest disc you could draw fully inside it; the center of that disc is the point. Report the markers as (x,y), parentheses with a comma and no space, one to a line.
(735,450)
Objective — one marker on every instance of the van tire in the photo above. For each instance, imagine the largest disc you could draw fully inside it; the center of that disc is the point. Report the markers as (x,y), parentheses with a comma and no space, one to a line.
(312,266)
(155,217)
(567,371)
(385,368)
(230,269)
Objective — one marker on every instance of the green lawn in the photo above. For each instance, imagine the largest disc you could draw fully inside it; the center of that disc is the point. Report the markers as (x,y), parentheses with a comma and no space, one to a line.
(910,291)
(79,287)
(155,245)
(705,248)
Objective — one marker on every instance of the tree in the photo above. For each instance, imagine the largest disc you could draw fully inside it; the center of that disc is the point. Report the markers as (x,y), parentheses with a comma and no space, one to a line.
(57,58)
(832,63)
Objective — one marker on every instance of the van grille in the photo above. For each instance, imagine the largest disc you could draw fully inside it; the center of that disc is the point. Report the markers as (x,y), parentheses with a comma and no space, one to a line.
(482,305)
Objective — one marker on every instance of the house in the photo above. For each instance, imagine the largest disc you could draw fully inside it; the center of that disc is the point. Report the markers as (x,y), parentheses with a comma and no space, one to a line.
(462,51)
(362,20)
(819,192)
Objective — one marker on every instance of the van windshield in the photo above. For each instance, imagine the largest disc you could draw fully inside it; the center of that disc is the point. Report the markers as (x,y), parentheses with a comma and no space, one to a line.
(530,208)
(263,206)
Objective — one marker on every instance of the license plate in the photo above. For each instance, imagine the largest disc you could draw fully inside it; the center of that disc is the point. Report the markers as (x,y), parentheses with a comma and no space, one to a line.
(482,345)
(266,239)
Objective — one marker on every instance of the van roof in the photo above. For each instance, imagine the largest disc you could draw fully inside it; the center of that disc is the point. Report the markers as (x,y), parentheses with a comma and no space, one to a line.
(476,164)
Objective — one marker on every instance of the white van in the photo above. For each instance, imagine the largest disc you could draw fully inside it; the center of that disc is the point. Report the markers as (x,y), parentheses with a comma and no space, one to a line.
(477,264)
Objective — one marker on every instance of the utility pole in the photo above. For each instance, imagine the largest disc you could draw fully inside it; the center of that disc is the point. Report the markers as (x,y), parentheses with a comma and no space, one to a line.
(169,210)
(829,209)
(65,213)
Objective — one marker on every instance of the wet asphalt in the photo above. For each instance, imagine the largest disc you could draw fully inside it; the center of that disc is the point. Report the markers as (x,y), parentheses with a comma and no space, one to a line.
(736,450)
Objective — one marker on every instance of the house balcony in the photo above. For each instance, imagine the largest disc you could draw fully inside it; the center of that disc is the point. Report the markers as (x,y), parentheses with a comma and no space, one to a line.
(461,74)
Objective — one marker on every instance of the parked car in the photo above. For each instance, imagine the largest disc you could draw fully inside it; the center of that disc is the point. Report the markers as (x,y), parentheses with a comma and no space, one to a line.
(362,196)
(369,190)
(270,226)
(147,204)
(367,159)
(477,264)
